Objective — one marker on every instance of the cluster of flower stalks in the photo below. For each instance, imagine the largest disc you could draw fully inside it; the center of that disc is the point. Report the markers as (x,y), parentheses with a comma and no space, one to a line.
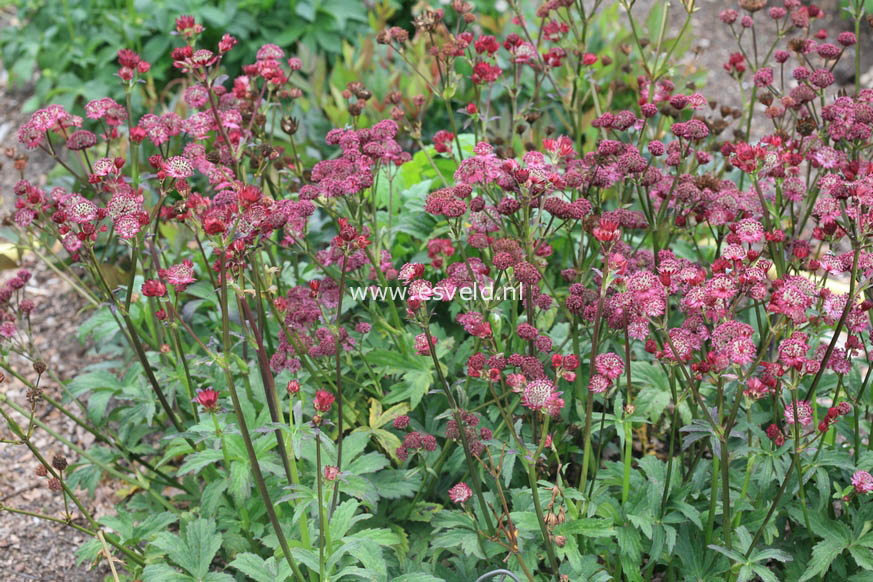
(680,390)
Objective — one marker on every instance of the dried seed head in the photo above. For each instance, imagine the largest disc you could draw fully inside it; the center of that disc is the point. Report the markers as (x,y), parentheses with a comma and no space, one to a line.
(551,520)
(752,5)
(289,125)
(797,45)
(805,126)
(59,462)
(41,471)
(55,484)
(428,20)
(34,395)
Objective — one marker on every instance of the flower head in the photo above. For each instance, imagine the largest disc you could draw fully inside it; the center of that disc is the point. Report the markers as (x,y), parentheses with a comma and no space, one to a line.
(862,481)
(323,400)
(804,413)
(461,493)
(207,398)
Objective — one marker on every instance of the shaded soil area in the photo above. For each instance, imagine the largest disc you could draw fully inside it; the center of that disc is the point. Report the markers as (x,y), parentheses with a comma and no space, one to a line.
(31,548)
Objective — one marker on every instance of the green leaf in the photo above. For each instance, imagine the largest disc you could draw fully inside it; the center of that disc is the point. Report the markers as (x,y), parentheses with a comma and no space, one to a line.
(163,573)
(417,577)
(396,483)
(765,574)
(260,570)
(771,554)
(380,536)
(343,518)
(153,524)
(630,544)
(592,527)
(241,480)
(369,463)
(202,542)
(823,554)
(196,462)
(863,557)
(211,497)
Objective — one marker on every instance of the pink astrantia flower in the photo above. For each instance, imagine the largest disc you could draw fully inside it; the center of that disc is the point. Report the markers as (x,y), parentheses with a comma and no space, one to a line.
(460,493)
(7,329)
(421,345)
(862,481)
(207,398)
(609,364)
(179,275)
(804,413)
(537,393)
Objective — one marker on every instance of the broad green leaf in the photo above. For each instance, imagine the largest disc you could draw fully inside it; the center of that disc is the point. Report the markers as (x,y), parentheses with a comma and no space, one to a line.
(196,462)
(201,544)
(823,554)
(163,573)
(260,570)
(417,577)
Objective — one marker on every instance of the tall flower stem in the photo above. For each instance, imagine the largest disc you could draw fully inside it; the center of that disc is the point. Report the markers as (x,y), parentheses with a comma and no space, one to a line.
(538,505)
(269,385)
(244,430)
(322,520)
(589,404)
(471,466)
(339,384)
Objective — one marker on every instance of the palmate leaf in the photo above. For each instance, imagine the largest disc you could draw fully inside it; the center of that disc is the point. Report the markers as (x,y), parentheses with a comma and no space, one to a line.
(194,551)
(823,554)
(261,570)
(163,573)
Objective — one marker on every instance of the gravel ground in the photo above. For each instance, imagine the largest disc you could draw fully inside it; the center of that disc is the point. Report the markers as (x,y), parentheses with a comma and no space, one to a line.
(33,549)
(30,548)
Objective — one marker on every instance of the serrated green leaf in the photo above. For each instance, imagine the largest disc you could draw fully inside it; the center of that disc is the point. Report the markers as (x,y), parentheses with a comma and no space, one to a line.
(592,527)
(823,554)
(417,577)
(197,461)
(260,570)
(163,573)
(202,542)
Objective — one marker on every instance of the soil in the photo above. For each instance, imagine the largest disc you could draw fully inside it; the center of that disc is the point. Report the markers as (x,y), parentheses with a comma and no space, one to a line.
(30,548)
(33,549)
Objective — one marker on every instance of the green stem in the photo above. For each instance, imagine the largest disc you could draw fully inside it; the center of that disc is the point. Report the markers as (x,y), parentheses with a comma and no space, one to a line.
(244,430)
